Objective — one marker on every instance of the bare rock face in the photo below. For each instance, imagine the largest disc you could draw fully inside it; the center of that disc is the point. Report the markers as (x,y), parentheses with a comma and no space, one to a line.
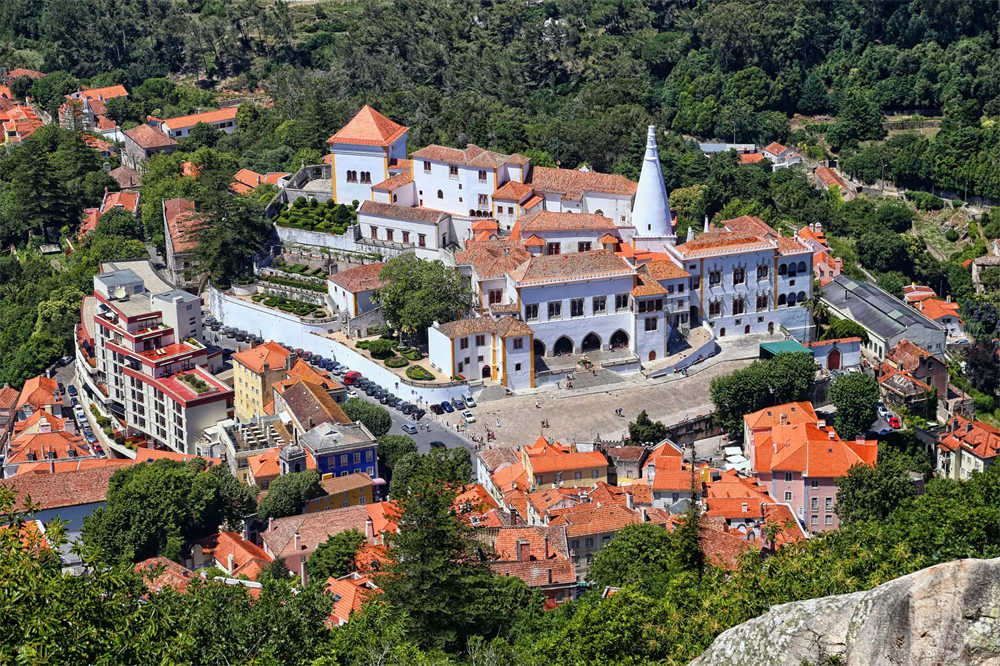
(945,614)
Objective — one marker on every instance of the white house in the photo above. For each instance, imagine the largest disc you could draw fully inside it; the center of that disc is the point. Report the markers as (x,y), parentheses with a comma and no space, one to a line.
(223,120)
(483,347)
(362,152)
(780,156)
(351,290)
(748,279)
(383,226)
(549,232)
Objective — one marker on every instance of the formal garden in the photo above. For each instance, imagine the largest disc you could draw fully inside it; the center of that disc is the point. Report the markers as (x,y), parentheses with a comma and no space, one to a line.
(396,355)
(300,308)
(312,215)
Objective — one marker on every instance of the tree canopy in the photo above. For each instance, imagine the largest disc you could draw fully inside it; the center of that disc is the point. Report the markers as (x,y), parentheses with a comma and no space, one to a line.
(784,378)
(855,395)
(374,417)
(335,557)
(419,293)
(287,495)
(156,508)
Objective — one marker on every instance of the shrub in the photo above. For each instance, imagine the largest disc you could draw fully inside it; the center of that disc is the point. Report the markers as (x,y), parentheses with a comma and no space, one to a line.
(395,362)
(984,403)
(362,344)
(380,348)
(288,282)
(412,354)
(951,235)
(418,373)
(925,200)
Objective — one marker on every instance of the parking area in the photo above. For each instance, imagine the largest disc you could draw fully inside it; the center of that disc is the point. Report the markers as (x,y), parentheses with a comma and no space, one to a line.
(577,416)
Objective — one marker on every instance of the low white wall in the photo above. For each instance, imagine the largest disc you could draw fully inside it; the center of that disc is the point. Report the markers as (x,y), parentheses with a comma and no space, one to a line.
(343,241)
(287,329)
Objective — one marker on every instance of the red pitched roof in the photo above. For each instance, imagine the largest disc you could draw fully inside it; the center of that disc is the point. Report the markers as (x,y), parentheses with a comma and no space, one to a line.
(547,220)
(54,491)
(572,183)
(223,544)
(182,223)
(361,278)
(209,117)
(148,137)
(105,93)
(750,158)
(830,178)
(349,594)
(270,352)
(164,573)
(39,392)
(368,127)
(394,182)
(513,191)
(935,308)
(788,413)
(126,200)
(979,438)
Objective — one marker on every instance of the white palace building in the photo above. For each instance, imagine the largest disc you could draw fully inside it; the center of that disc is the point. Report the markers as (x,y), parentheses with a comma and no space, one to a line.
(564,261)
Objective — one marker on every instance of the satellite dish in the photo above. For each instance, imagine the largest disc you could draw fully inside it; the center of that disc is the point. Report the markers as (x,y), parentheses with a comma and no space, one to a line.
(120,292)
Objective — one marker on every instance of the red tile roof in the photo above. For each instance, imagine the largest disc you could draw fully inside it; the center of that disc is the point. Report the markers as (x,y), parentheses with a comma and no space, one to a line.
(361,278)
(662,269)
(39,392)
(408,213)
(221,545)
(935,308)
(108,92)
(18,72)
(183,224)
(547,220)
(590,519)
(788,413)
(647,286)
(271,353)
(149,137)
(63,489)
(394,182)
(513,191)
(163,573)
(471,156)
(809,449)
(350,593)
(976,437)
(573,266)
(144,454)
(572,183)
(750,158)
(368,128)
(126,200)
(775,148)
(209,117)
(830,178)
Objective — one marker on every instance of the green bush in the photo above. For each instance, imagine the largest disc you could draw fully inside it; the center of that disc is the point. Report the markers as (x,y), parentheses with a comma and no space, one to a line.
(951,235)
(925,200)
(411,354)
(380,349)
(395,362)
(362,344)
(289,282)
(984,403)
(418,373)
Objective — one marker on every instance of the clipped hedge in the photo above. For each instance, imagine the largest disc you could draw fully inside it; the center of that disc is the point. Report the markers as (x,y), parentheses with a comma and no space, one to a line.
(411,354)
(395,362)
(380,349)
(419,374)
(288,282)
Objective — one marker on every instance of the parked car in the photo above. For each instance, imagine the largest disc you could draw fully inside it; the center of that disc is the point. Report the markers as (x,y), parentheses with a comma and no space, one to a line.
(437,445)
(446,406)
(418,414)
(469,416)
(307,355)
(458,403)
(74,402)
(62,389)
(895,422)
(470,401)
(409,429)
(72,390)
(436,408)
(407,408)
(352,377)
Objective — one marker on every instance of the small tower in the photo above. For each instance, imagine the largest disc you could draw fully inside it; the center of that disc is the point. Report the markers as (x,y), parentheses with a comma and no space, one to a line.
(650,209)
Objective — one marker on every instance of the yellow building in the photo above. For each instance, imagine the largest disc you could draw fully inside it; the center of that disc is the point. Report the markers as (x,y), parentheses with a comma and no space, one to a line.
(342,491)
(255,370)
(551,464)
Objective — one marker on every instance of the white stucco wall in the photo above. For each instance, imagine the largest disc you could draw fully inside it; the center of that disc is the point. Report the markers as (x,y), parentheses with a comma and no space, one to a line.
(459,194)
(604,325)
(370,159)
(343,241)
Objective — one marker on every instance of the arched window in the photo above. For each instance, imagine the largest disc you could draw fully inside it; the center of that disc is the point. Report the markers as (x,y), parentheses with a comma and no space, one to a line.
(802,267)
(440,194)
(791,300)
(782,269)
(599,212)
(801,296)
(782,300)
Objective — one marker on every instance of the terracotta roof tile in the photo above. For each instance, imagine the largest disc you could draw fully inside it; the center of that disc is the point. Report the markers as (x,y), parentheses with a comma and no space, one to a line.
(39,392)
(63,489)
(572,183)
(532,202)
(368,127)
(105,93)
(570,267)
(209,117)
(790,413)
(221,545)
(183,223)
(936,309)
(647,286)
(349,593)
(471,156)
(408,213)
(361,278)
(977,437)
(492,258)
(513,191)
(393,182)
(750,158)
(271,353)
(311,405)
(165,573)
(547,220)
(830,178)
(662,269)
(590,519)
(149,137)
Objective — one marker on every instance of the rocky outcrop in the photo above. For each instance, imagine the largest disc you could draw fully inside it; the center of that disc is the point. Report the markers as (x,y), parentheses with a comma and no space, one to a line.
(945,614)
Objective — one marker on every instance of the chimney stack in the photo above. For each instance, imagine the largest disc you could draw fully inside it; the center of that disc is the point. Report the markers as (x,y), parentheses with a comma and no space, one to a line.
(628,501)
(296,537)
(230,563)
(302,571)
(546,540)
(645,517)
(270,524)
(369,530)
(550,575)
